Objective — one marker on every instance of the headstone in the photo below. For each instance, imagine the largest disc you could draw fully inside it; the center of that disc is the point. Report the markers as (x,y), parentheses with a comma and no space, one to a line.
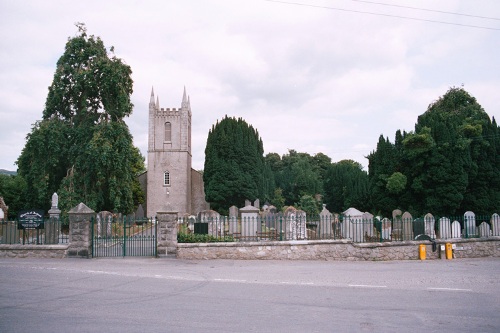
(256,203)
(1,215)
(470,224)
(484,230)
(104,224)
(456,230)
(249,222)
(295,224)
(139,214)
(429,225)
(495,224)
(233,220)
(386,229)
(215,225)
(368,233)
(352,225)
(396,213)
(325,224)
(407,226)
(444,225)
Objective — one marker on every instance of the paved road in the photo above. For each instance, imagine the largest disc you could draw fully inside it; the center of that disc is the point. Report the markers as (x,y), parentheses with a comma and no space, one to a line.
(169,295)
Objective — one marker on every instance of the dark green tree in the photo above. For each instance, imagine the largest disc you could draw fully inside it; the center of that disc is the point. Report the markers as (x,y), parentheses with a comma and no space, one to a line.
(235,169)
(82,147)
(13,191)
(346,185)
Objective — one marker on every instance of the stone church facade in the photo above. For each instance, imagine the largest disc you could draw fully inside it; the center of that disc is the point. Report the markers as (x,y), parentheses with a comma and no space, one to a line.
(171,184)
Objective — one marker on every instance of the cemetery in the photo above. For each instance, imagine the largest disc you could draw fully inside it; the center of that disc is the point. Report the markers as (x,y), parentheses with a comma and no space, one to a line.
(250,232)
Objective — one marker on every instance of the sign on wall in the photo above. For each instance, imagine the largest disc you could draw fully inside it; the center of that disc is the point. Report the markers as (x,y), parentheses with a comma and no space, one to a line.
(30,219)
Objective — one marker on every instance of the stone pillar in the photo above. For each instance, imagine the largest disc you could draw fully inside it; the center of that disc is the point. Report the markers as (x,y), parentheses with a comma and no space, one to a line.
(80,242)
(167,233)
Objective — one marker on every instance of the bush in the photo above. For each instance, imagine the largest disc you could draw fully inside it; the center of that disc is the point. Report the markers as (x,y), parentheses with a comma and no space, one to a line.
(199,238)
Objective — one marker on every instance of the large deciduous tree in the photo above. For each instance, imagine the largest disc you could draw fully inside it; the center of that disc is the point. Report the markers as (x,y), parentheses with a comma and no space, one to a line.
(82,148)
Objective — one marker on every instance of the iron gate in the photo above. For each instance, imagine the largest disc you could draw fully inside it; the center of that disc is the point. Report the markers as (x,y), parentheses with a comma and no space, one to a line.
(112,237)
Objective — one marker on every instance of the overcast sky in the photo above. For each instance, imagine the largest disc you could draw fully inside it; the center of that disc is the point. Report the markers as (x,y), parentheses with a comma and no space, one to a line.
(310,75)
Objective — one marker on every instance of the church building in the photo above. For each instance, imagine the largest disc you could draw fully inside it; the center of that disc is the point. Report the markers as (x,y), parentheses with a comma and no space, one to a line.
(171,183)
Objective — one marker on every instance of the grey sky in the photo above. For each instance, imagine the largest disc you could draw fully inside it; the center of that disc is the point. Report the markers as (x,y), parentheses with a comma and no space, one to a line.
(310,78)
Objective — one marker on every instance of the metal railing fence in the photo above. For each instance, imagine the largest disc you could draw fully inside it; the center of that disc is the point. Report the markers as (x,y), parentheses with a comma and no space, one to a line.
(46,231)
(278,227)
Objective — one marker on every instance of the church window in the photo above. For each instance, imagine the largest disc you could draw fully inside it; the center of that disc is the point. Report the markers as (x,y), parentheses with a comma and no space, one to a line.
(168,131)
(166,178)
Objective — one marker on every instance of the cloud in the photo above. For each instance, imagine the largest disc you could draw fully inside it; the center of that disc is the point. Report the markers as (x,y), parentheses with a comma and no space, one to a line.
(307,78)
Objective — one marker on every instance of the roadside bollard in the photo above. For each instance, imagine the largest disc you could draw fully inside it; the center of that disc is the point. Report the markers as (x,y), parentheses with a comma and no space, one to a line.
(421,251)
(449,251)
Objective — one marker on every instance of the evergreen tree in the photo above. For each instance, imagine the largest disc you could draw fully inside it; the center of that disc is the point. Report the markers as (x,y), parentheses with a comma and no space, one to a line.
(346,185)
(235,169)
(82,147)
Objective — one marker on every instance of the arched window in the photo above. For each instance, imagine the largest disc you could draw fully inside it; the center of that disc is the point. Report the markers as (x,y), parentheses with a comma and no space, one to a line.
(166,178)
(168,131)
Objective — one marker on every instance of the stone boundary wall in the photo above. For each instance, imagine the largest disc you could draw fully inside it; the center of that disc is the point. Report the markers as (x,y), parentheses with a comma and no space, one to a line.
(341,250)
(33,251)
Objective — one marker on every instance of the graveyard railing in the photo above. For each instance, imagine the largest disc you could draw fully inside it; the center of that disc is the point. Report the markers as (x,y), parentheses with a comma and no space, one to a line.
(359,229)
(46,231)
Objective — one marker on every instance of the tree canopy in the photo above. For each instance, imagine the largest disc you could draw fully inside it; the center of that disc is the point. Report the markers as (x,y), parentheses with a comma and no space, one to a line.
(82,148)
(447,165)
(235,169)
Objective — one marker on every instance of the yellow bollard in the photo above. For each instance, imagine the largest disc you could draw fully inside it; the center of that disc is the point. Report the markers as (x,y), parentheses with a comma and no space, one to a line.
(449,251)
(422,252)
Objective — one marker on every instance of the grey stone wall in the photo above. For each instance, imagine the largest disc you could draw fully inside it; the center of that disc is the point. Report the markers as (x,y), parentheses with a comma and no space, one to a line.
(335,250)
(33,251)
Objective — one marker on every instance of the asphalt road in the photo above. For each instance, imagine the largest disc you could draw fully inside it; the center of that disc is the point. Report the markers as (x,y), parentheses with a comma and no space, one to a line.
(170,295)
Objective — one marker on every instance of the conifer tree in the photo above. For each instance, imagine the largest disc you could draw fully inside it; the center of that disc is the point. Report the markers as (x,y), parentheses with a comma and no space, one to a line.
(235,169)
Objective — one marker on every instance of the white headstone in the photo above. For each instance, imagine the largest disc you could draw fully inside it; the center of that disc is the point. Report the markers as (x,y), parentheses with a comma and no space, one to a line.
(495,224)
(386,229)
(429,224)
(470,224)
(2,215)
(325,224)
(455,230)
(445,228)
(484,229)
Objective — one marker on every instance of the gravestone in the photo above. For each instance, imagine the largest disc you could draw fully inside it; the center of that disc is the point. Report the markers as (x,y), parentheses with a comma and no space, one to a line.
(325,224)
(233,220)
(295,224)
(1,215)
(456,230)
(104,224)
(209,221)
(367,220)
(429,225)
(495,224)
(352,225)
(249,222)
(386,229)
(484,230)
(470,224)
(444,225)
(139,214)
(406,226)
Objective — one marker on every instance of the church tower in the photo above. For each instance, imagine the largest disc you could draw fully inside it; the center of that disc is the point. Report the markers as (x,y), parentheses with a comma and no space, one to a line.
(169,174)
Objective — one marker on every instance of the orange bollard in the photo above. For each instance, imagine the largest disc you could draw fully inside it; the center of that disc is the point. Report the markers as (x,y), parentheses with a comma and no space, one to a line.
(422,252)
(449,251)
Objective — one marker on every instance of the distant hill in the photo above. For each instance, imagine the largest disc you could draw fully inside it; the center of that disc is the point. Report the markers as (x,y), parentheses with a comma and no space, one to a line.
(7,172)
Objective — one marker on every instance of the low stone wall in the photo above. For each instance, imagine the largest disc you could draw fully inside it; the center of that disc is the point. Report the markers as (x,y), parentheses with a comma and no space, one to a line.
(336,250)
(33,251)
